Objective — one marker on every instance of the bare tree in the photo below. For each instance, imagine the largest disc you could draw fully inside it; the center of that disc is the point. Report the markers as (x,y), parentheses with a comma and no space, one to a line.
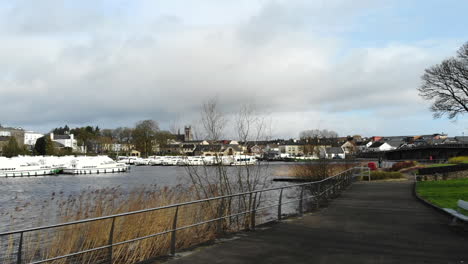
(317,133)
(213,119)
(215,180)
(446,84)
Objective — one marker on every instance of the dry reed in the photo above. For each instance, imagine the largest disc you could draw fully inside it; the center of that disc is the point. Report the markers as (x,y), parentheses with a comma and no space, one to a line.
(94,203)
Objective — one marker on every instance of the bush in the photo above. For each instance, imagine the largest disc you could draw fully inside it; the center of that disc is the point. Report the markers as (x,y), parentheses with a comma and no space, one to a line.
(403,165)
(381,175)
(458,160)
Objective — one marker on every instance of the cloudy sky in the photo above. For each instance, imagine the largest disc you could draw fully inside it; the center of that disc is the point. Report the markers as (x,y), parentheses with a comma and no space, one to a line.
(350,66)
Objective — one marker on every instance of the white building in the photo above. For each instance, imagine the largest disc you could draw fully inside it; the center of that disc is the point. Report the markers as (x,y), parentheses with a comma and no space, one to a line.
(5,133)
(67,141)
(334,153)
(381,146)
(31,137)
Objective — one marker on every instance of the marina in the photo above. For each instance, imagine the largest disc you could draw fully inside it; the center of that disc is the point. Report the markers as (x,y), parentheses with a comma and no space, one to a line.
(26,166)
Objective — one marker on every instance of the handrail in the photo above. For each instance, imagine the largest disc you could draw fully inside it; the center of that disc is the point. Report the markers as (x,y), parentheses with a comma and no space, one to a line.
(345,179)
(167,206)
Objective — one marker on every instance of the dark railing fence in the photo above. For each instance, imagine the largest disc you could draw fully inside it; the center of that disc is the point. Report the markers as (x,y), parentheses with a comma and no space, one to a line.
(163,230)
(443,169)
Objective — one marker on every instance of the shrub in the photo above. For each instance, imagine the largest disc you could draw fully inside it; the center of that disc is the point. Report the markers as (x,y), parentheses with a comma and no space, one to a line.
(403,165)
(381,175)
(458,160)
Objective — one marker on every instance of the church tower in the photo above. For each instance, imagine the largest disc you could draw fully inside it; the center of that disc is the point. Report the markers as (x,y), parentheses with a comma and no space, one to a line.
(188,133)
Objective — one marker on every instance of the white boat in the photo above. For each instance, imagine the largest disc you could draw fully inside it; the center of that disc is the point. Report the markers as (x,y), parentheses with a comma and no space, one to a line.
(155,160)
(24,166)
(126,160)
(99,164)
(142,162)
(244,160)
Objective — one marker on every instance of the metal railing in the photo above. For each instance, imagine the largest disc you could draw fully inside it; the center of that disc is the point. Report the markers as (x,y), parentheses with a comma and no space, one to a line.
(279,200)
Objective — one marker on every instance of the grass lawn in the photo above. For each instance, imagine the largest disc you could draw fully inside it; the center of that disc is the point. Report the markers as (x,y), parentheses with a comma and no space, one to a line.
(444,194)
(439,165)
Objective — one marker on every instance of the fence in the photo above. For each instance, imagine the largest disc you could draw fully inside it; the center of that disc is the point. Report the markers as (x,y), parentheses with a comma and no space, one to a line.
(163,230)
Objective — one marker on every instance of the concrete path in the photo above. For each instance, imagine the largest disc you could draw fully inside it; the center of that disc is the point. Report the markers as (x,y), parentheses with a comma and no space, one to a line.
(369,223)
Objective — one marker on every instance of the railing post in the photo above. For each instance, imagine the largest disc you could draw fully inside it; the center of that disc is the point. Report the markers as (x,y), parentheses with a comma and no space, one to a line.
(111,239)
(280,203)
(254,211)
(334,187)
(173,233)
(317,196)
(20,249)
(219,224)
(301,201)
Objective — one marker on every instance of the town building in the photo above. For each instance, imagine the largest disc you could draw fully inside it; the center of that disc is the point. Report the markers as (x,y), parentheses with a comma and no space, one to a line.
(333,153)
(30,137)
(292,149)
(68,141)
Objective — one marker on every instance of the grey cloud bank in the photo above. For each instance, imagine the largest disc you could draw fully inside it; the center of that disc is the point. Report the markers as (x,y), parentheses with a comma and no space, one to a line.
(112,64)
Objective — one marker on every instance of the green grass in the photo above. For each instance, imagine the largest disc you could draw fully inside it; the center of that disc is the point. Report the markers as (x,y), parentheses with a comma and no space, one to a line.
(444,194)
(439,165)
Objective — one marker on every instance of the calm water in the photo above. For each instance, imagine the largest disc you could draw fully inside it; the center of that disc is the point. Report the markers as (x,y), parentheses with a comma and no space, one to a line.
(26,202)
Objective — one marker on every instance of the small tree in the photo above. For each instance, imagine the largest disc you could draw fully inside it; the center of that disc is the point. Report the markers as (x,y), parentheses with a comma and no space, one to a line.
(144,135)
(44,146)
(12,149)
(447,85)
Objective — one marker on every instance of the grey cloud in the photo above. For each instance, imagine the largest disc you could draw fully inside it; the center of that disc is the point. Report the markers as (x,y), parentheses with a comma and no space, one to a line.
(165,68)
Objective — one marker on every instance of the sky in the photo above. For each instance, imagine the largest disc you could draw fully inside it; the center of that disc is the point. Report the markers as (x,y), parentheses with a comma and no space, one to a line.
(348,66)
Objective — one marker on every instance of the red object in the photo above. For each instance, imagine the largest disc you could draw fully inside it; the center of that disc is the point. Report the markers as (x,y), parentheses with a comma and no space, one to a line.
(430,157)
(372,166)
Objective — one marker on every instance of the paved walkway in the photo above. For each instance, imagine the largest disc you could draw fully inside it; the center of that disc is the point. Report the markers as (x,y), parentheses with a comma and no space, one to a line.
(369,223)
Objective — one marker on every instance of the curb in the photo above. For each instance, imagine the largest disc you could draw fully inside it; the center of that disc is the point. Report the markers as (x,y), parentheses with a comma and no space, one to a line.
(429,204)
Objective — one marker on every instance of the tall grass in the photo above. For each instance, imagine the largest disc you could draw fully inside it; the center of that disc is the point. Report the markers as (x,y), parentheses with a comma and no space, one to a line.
(319,170)
(69,239)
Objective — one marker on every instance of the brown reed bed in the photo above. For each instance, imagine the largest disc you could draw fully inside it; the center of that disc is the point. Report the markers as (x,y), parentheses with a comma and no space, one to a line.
(60,241)
(319,170)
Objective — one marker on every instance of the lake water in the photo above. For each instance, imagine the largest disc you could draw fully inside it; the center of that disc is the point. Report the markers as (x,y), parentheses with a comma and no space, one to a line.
(25,202)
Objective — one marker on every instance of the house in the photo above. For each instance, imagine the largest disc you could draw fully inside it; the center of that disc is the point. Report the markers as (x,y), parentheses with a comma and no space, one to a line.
(349,147)
(68,141)
(134,153)
(395,142)
(217,150)
(187,149)
(292,149)
(256,150)
(380,146)
(334,153)
(30,137)
(17,133)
